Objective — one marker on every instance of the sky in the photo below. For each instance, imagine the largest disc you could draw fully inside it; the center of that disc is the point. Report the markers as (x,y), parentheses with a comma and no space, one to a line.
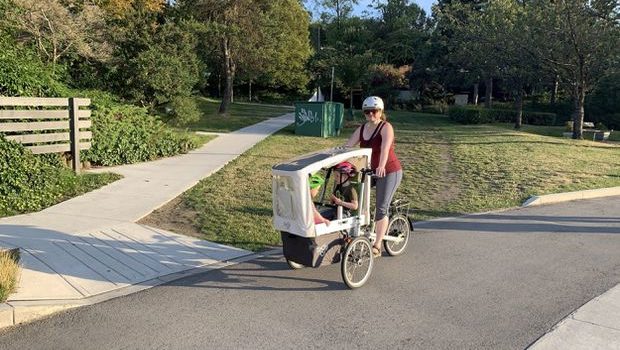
(363,5)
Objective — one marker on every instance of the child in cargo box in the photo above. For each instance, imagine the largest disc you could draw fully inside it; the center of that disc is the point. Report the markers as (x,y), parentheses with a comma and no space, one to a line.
(344,194)
(316,181)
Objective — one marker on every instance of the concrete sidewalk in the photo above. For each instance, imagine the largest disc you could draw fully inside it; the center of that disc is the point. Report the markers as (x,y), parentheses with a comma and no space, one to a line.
(90,246)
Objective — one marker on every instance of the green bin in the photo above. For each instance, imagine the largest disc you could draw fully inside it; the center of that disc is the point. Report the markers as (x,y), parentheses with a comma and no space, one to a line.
(322,119)
(338,117)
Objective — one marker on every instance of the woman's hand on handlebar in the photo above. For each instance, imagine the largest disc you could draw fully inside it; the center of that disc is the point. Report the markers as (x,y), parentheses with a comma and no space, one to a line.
(380,172)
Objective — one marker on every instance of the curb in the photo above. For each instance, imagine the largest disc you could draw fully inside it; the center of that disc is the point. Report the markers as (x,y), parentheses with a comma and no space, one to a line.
(13,313)
(583,328)
(571,196)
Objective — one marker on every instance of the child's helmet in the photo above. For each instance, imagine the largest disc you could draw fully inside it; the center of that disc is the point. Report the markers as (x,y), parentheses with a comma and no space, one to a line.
(372,102)
(346,168)
(316,181)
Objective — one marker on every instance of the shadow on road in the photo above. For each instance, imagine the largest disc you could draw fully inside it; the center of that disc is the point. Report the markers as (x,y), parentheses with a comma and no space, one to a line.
(270,273)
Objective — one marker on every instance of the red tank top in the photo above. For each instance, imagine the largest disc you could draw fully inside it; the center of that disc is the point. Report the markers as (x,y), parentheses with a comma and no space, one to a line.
(392,164)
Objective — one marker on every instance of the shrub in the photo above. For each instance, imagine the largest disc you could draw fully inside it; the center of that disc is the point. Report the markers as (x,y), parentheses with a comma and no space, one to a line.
(468,115)
(124,134)
(184,111)
(23,74)
(563,110)
(539,118)
(611,120)
(30,183)
(605,99)
(440,108)
(9,270)
(476,115)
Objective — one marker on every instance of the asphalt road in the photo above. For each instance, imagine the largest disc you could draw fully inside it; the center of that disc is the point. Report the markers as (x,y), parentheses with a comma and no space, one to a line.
(493,281)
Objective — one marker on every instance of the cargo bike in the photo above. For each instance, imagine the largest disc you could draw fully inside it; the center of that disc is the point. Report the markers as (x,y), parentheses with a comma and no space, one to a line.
(349,236)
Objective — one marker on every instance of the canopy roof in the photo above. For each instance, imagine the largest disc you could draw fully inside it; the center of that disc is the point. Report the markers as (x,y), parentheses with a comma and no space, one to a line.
(312,162)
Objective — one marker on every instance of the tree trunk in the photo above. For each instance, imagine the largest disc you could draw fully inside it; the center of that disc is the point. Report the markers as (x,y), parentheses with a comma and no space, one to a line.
(219,85)
(350,114)
(488,93)
(554,91)
(519,108)
(475,101)
(229,70)
(580,97)
(250,91)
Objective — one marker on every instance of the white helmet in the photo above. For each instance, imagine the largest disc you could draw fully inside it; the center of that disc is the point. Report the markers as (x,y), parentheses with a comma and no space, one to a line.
(372,102)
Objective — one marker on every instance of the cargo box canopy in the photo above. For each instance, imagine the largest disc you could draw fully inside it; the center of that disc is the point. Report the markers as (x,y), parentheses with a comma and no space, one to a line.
(292,203)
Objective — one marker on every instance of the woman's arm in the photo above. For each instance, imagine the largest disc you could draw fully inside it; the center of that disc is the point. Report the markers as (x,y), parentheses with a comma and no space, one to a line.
(354,139)
(387,138)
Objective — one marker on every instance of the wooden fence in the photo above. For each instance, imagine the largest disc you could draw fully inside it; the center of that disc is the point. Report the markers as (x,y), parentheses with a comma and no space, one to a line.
(47,125)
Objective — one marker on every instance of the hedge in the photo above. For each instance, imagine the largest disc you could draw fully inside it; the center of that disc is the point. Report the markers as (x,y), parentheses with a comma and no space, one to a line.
(124,134)
(465,115)
(31,183)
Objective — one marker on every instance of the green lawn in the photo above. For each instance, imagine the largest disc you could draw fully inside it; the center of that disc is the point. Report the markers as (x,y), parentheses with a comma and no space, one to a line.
(556,131)
(239,116)
(449,169)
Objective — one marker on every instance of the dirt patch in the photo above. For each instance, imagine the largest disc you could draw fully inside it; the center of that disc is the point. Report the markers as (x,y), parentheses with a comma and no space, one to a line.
(175,217)
(449,190)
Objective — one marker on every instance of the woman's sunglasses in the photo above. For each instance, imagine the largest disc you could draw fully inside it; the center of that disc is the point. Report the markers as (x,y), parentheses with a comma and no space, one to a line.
(371,111)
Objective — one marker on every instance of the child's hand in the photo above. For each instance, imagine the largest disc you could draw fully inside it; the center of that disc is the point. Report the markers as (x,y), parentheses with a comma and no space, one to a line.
(336,200)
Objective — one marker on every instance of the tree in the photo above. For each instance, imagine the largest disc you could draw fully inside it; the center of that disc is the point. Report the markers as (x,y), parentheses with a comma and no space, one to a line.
(57,28)
(580,39)
(120,8)
(384,79)
(155,59)
(337,10)
(459,30)
(401,31)
(284,53)
(257,38)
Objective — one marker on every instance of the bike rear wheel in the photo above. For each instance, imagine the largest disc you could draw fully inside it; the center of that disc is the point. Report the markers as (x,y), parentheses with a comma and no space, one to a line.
(398,227)
(357,262)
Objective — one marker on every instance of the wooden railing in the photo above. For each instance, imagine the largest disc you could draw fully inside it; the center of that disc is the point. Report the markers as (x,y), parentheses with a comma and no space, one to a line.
(47,125)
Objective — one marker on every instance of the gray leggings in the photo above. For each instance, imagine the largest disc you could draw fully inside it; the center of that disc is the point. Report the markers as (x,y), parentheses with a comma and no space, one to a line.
(386,187)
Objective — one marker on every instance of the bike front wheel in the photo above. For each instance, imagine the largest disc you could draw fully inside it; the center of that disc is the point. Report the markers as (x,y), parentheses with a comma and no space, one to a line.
(294,265)
(357,262)
(398,228)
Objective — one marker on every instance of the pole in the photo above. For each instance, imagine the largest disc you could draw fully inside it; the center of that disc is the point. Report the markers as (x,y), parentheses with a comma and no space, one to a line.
(318,48)
(74,131)
(331,91)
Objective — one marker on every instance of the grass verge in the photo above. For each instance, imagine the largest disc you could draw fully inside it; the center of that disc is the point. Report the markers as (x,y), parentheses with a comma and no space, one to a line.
(449,169)
(66,185)
(9,270)
(240,115)
(556,131)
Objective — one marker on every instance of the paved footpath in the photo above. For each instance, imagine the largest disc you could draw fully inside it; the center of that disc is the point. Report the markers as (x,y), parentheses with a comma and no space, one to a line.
(89,247)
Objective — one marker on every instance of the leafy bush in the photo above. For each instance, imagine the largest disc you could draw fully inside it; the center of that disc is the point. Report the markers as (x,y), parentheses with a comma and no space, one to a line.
(124,134)
(539,118)
(441,108)
(23,74)
(184,111)
(476,115)
(611,120)
(468,115)
(563,109)
(30,183)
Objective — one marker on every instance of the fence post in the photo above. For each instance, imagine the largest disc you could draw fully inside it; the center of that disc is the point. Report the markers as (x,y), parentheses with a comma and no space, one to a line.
(74,126)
